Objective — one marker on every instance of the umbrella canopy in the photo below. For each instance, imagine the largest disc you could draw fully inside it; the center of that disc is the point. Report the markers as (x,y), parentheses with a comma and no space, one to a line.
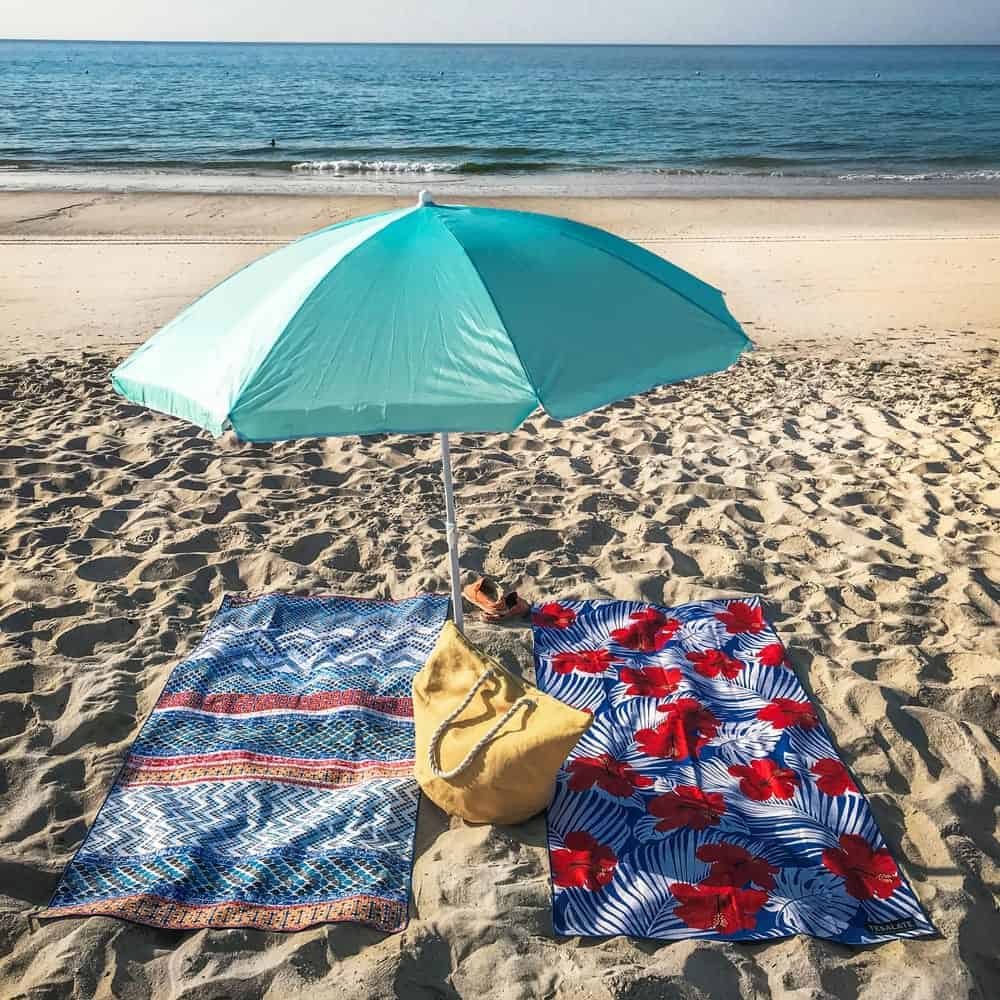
(432,318)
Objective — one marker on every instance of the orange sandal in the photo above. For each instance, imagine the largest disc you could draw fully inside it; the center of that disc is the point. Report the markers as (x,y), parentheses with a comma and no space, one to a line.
(485,595)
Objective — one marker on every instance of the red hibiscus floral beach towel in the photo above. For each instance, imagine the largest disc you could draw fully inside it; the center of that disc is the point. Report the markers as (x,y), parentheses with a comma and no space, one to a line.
(707,799)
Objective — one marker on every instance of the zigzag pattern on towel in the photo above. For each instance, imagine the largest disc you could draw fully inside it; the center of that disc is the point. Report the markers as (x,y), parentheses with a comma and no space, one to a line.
(282,645)
(200,878)
(255,817)
(303,668)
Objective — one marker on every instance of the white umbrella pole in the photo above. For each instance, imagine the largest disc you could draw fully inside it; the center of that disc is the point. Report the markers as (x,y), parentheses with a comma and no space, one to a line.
(449,507)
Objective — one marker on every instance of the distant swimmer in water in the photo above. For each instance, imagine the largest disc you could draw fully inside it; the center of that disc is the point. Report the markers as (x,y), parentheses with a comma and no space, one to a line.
(274,142)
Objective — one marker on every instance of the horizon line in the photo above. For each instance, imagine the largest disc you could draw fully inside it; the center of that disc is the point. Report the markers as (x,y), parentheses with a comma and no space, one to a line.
(536,44)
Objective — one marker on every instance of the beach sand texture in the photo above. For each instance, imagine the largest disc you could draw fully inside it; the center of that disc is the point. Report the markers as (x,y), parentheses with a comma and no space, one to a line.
(847,471)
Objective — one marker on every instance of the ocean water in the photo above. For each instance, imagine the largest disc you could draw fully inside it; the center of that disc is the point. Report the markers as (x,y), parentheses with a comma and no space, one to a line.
(646,118)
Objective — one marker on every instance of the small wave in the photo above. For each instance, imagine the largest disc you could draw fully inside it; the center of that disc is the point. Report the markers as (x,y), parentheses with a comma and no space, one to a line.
(952,175)
(425,166)
(716,172)
(373,167)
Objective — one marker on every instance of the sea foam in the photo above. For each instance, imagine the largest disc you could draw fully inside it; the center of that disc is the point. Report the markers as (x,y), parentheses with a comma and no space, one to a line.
(948,175)
(373,167)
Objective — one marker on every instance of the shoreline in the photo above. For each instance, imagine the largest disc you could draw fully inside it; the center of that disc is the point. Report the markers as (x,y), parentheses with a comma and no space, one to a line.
(563,184)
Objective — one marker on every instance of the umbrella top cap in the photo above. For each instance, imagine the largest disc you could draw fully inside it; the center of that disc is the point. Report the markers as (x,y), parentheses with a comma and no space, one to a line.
(424,198)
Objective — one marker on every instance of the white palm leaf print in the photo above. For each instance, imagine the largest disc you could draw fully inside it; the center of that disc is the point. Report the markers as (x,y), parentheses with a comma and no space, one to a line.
(700,633)
(810,821)
(810,901)
(741,742)
(747,693)
(582,691)
(607,822)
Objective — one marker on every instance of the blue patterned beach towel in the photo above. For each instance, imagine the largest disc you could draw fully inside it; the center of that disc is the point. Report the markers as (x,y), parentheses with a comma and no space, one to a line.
(272,786)
(706,800)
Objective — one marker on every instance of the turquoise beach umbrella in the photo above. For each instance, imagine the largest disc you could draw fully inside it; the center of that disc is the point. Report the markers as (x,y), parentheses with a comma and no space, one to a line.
(431,318)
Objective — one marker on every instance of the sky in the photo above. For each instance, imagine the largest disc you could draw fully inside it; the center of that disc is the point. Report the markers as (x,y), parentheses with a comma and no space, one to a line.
(633,21)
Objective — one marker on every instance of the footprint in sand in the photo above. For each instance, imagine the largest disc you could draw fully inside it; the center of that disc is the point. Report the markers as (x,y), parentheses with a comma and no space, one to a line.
(14,717)
(106,569)
(151,470)
(526,543)
(308,548)
(204,541)
(171,567)
(83,640)
(55,535)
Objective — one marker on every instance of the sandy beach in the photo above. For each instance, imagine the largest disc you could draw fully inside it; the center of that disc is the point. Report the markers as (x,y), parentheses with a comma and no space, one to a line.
(848,471)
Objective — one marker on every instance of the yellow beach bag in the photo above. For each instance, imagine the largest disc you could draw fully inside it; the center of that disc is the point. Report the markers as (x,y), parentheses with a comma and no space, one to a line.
(489,745)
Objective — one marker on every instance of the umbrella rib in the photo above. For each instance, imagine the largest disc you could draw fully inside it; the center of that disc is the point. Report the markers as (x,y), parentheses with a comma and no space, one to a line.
(496,308)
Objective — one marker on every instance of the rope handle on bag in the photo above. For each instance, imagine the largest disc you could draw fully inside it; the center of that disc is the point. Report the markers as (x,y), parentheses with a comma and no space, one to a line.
(438,735)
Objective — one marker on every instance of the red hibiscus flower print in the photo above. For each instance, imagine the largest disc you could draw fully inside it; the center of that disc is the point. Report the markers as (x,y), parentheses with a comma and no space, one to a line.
(687,805)
(649,632)
(785,712)
(614,776)
(718,908)
(741,617)
(763,779)
(773,656)
(735,866)
(583,862)
(712,662)
(586,661)
(686,729)
(832,777)
(650,682)
(867,872)
(553,616)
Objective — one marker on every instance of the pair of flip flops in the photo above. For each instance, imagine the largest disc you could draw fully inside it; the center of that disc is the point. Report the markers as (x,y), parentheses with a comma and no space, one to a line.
(494,605)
